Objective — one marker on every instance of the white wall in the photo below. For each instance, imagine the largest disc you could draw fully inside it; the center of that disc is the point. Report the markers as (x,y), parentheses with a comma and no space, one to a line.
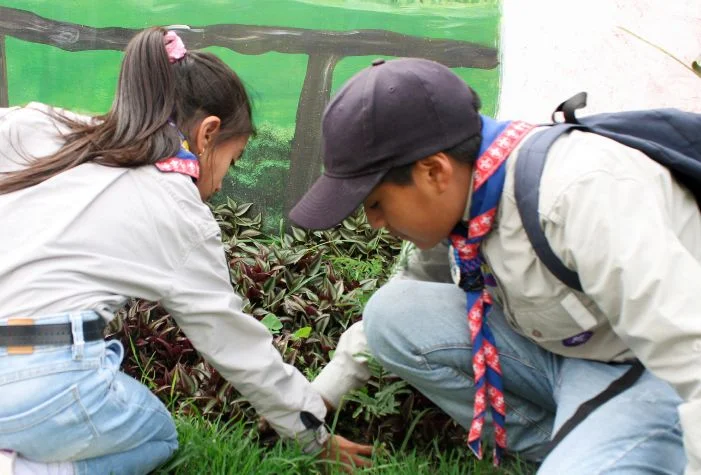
(552,49)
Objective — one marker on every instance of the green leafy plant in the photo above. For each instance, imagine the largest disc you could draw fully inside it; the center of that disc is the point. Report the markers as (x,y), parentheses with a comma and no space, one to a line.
(261,174)
(380,397)
(306,288)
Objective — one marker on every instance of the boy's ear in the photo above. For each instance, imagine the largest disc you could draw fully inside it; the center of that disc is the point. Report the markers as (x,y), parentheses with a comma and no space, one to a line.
(435,171)
(206,133)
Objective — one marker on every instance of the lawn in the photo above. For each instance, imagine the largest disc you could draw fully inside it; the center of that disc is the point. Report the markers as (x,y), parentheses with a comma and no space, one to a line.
(234,448)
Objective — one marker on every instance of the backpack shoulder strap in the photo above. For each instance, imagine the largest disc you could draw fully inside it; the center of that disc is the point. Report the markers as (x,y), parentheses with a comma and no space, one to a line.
(529,168)
(668,136)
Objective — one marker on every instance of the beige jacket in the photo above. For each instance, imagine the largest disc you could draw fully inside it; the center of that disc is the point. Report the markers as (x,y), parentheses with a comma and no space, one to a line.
(634,237)
(90,237)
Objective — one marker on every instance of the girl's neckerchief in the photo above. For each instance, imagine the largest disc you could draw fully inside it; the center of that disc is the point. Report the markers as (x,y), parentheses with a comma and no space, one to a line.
(498,140)
(184,161)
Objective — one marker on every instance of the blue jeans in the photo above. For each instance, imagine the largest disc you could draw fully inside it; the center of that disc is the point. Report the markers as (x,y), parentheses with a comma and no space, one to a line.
(418,330)
(71,403)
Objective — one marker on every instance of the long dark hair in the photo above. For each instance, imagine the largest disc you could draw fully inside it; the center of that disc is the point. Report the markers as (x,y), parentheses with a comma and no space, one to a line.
(151,92)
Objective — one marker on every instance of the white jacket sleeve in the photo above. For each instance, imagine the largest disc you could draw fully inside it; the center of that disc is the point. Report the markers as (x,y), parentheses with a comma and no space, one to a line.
(348,368)
(6,110)
(620,229)
(205,306)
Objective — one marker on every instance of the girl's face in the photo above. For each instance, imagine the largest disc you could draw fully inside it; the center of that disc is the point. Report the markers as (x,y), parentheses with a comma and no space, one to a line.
(215,158)
(215,165)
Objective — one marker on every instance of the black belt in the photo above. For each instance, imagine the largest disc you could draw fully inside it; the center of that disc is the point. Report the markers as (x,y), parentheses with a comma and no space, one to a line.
(49,334)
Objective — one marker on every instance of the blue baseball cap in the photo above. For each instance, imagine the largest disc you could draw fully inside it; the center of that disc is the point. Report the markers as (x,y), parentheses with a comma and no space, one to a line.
(390,114)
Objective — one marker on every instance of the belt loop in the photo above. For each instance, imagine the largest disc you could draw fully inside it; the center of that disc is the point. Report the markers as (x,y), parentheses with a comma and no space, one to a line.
(77,330)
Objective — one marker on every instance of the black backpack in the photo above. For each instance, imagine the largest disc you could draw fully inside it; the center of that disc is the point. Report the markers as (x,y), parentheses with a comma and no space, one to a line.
(669,136)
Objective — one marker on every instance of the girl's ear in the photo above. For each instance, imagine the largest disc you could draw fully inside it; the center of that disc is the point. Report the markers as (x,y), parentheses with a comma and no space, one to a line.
(205,133)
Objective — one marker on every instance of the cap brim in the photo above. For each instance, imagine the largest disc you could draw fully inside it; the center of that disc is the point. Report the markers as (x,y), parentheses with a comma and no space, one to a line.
(331,200)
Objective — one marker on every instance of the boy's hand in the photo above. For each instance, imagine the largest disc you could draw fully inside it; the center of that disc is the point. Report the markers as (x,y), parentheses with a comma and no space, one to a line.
(348,453)
(338,449)
(328,405)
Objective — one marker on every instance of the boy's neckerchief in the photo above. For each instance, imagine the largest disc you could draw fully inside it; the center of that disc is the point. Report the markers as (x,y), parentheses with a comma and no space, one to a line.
(498,141)
(184,161)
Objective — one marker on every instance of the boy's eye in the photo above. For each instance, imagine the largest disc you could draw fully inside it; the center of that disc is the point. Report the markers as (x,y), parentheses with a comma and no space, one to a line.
(374,205)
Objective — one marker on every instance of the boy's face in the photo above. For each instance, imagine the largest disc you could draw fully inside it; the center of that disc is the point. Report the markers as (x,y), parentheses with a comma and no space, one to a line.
(426,210)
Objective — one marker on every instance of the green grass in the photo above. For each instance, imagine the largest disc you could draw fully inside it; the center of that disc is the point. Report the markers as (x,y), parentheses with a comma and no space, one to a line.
(210,448)
(233,448)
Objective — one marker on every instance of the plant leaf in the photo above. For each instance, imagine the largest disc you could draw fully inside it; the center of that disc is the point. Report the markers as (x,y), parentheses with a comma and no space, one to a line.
(272,323)
(303,332)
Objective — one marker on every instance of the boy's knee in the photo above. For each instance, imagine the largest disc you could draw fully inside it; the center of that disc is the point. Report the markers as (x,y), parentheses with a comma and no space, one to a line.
(381,308)
(387,315)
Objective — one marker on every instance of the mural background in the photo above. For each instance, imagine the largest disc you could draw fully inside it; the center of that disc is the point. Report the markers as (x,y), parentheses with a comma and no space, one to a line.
(286,110)
(522,57)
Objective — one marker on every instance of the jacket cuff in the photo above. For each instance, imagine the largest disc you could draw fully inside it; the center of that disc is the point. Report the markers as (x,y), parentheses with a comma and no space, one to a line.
(348,368)
(334,382)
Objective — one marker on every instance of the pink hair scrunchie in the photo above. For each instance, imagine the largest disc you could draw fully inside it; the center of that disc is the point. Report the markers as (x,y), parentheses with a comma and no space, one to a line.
(174,47)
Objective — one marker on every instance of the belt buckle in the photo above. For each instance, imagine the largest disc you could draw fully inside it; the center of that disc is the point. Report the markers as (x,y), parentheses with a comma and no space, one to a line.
(20,350)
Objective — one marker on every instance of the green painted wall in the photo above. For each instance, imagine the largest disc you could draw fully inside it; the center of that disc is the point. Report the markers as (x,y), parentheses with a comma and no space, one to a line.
(85,80)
